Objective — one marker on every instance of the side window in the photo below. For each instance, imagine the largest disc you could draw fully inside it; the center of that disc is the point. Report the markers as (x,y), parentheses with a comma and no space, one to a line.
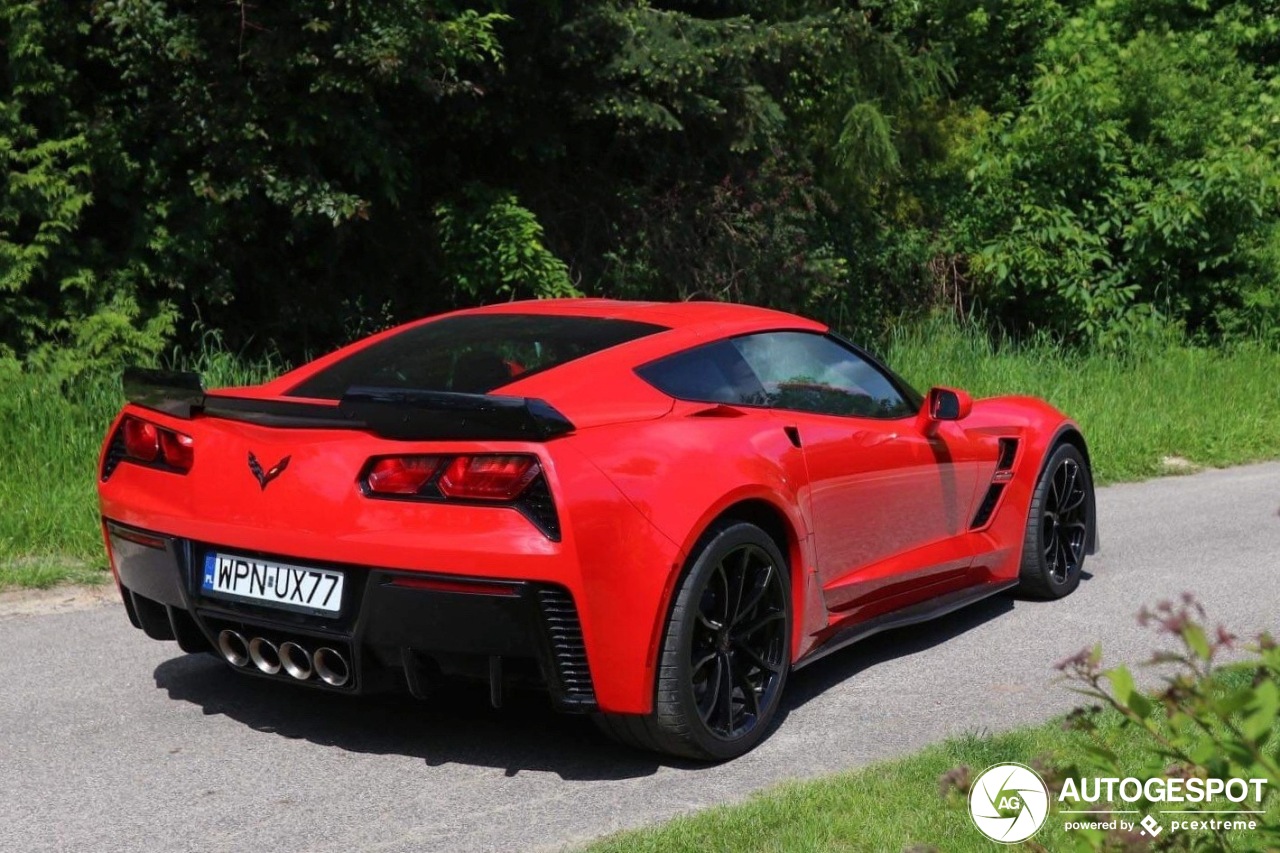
(809,372)
(801,371)
(714,373)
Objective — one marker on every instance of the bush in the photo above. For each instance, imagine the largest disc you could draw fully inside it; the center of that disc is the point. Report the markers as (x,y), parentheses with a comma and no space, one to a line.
(59,303)
(493,250)
(1139,182)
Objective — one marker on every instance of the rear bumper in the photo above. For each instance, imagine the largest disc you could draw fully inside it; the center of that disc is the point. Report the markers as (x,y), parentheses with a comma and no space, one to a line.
(398,629)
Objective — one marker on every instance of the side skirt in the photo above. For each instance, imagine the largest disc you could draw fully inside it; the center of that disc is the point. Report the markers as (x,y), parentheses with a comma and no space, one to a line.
(916,613)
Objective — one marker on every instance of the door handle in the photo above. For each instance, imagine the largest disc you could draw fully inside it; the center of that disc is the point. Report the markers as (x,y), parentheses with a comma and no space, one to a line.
(871,438)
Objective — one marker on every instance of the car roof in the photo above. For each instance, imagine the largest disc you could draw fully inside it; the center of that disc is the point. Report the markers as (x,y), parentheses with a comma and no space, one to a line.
(673,315)
(604,387)
(685,324)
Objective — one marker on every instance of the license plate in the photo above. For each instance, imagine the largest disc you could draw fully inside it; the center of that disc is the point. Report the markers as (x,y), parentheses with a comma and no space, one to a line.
(274,584)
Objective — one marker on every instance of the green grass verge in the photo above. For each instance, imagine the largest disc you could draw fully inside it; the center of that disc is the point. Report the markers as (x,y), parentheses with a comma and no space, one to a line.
(1209,407)
(50,436)
(882,808)
(893,806)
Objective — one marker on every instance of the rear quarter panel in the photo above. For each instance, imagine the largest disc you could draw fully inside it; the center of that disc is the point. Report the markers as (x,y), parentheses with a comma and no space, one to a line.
(681,472)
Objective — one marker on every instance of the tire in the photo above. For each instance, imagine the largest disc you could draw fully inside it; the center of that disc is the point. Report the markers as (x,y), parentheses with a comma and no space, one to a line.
(1059,526)
(737,577)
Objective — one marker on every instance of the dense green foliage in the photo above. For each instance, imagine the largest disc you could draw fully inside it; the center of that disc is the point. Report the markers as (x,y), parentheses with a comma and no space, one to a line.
(295,174)
(1139,178)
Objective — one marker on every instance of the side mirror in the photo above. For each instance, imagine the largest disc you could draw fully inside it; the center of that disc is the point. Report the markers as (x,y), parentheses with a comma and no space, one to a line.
(948,404)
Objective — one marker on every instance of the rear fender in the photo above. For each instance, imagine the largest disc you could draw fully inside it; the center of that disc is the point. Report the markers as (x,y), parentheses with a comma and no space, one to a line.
(623,565)
(675,472)
(807,606)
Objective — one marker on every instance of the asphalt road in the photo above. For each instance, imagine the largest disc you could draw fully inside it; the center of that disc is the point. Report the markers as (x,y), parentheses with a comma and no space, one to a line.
(109,741)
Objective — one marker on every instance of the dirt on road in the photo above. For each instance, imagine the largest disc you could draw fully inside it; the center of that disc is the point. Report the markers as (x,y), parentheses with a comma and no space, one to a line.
(59,599)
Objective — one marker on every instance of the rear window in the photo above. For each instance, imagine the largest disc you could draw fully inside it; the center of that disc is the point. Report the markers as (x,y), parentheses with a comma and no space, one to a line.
(471,354)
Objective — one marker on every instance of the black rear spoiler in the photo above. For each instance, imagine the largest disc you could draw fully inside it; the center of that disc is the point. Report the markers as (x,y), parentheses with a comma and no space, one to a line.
(169,391)
(395,413)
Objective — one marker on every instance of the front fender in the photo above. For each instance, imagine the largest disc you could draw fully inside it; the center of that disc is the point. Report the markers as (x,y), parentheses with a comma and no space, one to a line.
(1039,427)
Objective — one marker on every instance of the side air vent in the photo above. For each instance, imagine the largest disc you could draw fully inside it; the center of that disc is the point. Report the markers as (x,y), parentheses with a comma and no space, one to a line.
(1008,452)
(568,650)
(1004,473)
(988,506)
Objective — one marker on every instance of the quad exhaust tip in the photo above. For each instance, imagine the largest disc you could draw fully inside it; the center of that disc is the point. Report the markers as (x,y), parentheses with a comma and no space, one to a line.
(234,648)
(331,666)
(296,660)
(265,655)
(328,664)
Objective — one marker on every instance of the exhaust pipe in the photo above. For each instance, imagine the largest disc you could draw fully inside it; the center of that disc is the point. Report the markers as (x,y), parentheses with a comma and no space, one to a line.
(265,655)
(331,666)
(234,648)
(295,660)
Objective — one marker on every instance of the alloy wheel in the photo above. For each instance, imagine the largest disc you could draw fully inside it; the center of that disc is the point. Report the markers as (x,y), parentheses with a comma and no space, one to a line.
(739,649)
(1064,524)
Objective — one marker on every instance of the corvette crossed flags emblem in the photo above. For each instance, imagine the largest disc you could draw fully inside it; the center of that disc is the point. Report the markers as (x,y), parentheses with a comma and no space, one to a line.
(265,477)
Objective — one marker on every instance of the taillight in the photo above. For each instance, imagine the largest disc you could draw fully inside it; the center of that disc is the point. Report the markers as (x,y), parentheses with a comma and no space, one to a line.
(482,477)
(141,439)
(488,478)
(514,480)
(155,446)
(401,475)
(177,449)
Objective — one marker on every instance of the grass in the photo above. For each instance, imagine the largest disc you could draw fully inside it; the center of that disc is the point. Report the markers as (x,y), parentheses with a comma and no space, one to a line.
(897,805)
(1159,402)
(1208,407)
(50,435)
(882,808)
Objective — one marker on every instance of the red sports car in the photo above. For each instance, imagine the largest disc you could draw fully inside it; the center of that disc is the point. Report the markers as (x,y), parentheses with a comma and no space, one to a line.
(653,511)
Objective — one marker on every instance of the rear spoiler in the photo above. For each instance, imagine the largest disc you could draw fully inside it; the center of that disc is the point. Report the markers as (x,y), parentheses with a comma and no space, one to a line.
(395,413)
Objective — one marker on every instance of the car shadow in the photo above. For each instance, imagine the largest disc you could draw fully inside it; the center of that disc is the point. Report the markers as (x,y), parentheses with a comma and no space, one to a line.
(815,679)
(460,727)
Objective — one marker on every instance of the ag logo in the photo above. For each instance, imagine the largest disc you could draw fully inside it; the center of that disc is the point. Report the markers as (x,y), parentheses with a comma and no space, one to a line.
(1009,803)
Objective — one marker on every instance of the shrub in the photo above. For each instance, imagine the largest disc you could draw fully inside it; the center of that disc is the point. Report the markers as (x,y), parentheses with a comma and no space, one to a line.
(1215,715)
(1140,180)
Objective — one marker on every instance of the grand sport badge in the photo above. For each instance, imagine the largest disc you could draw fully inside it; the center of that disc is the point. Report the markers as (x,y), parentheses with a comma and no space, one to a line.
(1009,803)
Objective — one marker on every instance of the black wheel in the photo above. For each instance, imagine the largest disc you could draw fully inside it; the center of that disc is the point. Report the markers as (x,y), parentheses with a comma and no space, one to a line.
(725,653)
(1059,526)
